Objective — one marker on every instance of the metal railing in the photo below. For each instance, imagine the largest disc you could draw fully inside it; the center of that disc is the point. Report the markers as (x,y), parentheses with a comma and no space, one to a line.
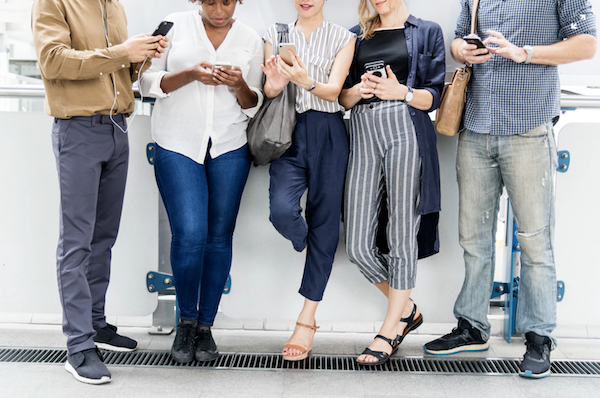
(36,91)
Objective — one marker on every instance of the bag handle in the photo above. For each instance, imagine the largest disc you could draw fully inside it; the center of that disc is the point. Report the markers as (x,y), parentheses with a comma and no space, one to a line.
(474,16)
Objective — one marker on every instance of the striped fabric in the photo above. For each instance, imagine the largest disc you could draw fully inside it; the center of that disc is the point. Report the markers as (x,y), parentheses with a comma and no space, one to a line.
(384,154)
(318,56)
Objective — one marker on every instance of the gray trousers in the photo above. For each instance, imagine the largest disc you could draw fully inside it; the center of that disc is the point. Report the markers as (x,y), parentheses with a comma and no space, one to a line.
(384,153)
(91,157)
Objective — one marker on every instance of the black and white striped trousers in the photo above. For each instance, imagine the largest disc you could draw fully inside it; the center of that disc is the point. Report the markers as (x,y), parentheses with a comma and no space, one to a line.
(384,154)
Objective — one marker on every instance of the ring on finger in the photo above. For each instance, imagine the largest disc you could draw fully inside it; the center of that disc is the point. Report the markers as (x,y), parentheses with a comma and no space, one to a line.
(375,88)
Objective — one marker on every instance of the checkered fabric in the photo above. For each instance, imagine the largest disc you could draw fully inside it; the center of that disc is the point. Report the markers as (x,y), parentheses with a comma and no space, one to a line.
(505,97)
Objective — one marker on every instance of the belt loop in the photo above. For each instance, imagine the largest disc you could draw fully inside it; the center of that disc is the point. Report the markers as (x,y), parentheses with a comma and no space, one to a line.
(93,120)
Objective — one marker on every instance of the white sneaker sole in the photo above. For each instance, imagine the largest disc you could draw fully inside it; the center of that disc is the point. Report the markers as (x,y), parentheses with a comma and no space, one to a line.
(71,369)
(464,348)
(109,347)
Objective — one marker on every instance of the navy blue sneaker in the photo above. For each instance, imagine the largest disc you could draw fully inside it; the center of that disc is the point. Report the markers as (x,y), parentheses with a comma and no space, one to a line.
(108,339)
(536,361)
(87,367)
(462,338)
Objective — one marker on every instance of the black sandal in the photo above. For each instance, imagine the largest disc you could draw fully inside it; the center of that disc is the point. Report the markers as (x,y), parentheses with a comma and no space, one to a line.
(382,356)
(411,324)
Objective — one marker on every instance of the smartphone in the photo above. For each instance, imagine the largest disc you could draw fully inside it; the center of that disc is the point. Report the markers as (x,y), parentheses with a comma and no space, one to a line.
(376,68)
(283,52)
(163,28)
(222,65)
(475,40)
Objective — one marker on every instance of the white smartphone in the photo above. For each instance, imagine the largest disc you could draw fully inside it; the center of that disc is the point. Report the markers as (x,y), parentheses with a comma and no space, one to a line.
(222,65)
(283,52)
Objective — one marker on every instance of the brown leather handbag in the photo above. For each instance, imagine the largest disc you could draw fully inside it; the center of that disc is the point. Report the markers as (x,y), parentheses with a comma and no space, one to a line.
(449,116)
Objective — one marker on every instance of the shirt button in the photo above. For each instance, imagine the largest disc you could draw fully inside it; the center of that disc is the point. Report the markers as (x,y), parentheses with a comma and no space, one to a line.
(122,66)
(370,106)
(118,93)
(100,73)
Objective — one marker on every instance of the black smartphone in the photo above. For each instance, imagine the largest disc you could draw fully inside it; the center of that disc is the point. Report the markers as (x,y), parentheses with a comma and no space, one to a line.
(163,28)
(475,40)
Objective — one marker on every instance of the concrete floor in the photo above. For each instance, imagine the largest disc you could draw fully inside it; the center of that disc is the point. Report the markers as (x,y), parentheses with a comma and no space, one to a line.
(48,381)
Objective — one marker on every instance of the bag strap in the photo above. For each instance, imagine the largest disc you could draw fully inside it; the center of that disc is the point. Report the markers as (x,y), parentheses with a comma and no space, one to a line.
(474,16)
(283,36)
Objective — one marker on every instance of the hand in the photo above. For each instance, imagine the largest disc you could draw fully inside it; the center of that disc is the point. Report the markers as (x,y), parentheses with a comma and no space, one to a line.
(384,89)
(270,69)
(296,73)
(472,55)
(505,48)
(229,77)
(202,72)
(141,46)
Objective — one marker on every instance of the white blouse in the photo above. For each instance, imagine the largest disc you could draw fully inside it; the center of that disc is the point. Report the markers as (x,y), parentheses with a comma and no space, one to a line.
(318,55)
(184,120)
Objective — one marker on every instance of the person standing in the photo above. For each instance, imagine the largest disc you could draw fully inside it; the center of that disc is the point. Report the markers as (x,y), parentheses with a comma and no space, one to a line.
(202,159)
(508,140)
(318,155)
(88,66)
(393,149)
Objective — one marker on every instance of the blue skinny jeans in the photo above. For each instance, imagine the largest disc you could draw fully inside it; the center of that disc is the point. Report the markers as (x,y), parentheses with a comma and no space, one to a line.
(202,202)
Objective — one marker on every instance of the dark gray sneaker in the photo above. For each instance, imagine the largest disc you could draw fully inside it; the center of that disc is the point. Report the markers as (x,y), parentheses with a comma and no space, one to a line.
(87,367)
(184,344)
(108,339)
(536,362)
(206,350)
(462,338)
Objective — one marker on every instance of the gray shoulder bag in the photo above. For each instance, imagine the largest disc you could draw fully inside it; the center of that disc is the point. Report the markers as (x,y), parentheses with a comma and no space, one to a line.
(270,131)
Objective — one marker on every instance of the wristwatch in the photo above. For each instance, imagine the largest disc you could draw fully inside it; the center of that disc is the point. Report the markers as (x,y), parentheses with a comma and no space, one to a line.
(529,51)
(409,96)
(314,85)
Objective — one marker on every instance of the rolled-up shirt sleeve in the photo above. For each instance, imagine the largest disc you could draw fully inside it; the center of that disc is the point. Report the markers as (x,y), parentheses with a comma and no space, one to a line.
(576,17)
(254,80)
(436,74)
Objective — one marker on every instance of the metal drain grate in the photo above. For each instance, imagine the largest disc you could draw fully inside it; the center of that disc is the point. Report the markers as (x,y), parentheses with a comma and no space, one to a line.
(336,363)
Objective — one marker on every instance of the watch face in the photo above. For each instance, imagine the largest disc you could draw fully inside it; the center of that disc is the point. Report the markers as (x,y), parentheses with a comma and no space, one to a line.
(409,97)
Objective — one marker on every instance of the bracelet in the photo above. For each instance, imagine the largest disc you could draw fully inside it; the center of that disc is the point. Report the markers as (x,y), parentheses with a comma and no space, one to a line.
(314,85)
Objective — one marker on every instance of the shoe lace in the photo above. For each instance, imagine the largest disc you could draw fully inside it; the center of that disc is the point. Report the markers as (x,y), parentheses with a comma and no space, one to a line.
(184,334)
(537,349)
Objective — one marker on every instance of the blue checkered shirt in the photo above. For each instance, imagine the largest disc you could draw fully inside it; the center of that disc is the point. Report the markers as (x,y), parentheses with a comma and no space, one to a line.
(505,97)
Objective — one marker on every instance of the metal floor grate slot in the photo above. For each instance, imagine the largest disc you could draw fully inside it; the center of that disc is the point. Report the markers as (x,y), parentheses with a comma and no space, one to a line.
(335,363)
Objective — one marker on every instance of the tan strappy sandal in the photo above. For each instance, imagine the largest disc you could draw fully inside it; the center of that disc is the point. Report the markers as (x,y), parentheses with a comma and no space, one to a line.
(303,351)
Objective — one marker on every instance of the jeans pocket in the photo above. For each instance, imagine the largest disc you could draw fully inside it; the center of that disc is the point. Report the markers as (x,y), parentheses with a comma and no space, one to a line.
(60,129)
(540,131)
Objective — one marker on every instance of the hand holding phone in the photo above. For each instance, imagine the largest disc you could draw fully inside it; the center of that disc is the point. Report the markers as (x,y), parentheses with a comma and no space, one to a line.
(163,28)
(283,52)
(221,65)
(477,41)
(376,68)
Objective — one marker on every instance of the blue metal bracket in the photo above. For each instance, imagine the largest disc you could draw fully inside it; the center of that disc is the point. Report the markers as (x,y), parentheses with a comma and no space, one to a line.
(227,287)
(560,291)
(151,152)
(157,281)
(564,161)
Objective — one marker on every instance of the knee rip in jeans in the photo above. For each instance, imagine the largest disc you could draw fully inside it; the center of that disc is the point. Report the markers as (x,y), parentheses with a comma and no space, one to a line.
(531,235)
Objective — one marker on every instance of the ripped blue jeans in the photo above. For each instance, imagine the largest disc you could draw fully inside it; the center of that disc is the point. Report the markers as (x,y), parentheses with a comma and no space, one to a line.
(526,165)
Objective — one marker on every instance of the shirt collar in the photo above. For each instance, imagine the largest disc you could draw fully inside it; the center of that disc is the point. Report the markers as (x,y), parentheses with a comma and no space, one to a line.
(412,20)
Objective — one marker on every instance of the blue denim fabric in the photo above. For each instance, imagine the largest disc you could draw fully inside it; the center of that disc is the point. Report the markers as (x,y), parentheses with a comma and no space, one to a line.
(202,201)
(525,164)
